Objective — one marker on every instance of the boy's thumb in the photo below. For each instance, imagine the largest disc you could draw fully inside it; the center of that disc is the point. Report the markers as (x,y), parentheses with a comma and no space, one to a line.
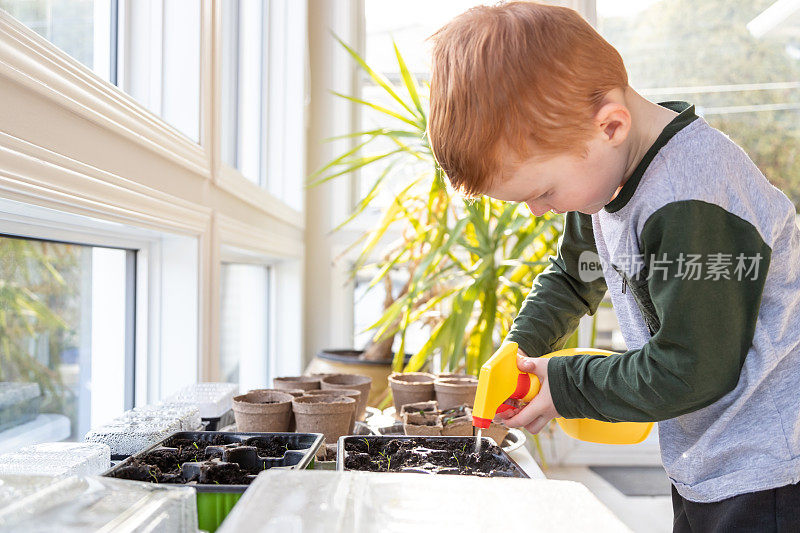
(526,364)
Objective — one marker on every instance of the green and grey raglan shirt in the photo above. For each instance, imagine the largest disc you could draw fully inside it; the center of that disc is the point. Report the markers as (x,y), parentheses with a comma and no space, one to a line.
(701,256)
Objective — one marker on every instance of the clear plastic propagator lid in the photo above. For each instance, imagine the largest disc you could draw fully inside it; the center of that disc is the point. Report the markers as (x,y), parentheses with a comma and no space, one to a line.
(361,502)
(213,399)
(58,459)
(127,437)
(187,414)
(41,504)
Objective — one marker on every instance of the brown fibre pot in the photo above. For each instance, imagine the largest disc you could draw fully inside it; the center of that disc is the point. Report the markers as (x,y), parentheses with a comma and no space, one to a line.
(351,381)
(452,392)
(329,415)
(263,410)
(296,382)
(426,424)
(411,387)
(294,392)
(350,393)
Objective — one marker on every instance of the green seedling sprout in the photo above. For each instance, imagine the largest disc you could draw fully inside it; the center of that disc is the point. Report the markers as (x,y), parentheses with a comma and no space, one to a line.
(195,445)
(457,461)
(216,482)
(152,475)
(367,443)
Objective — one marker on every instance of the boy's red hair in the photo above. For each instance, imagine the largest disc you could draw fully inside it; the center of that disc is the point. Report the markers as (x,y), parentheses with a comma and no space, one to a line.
(515,76)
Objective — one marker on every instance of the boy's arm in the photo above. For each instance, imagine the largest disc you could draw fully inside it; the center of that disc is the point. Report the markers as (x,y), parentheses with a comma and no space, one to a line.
(706,325)
(558,298)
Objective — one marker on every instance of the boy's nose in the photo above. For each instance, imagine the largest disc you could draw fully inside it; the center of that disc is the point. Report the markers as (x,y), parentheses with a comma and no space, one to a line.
(537,211)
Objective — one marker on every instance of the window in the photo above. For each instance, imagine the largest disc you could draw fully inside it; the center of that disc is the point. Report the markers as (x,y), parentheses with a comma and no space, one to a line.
(243,82)
(159,54)
(244,325)
(65,321)
(84,29)
(262,102)
(150,49)
(148,210)
(738,62)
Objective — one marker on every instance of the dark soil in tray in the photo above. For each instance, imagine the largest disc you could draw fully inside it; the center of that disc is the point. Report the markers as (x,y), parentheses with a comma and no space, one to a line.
(209,461)
(428,455)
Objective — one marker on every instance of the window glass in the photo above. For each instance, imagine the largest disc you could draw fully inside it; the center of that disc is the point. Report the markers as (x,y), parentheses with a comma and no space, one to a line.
(64,336)
(243,87)
(244,325)
(81,28)
(738,61)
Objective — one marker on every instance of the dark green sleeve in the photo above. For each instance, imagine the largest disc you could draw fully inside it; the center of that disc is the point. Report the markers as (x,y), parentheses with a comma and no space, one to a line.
(705,326)
(558,298)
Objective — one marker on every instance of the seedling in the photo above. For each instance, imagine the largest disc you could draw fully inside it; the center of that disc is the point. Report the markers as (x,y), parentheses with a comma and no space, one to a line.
(367,443)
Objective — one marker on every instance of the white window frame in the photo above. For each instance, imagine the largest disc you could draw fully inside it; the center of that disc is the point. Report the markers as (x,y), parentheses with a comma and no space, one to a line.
(75,144)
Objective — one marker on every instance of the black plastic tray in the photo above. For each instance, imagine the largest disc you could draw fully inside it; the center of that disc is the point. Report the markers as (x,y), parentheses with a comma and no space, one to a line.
(303,448)
(341,453)
(219,422)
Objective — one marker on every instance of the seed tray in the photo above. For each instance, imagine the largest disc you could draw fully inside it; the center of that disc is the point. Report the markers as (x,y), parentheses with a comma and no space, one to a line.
(214,499)
(506,466)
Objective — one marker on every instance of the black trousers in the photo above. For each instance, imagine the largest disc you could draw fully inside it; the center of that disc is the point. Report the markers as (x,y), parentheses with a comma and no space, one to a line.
(765,511)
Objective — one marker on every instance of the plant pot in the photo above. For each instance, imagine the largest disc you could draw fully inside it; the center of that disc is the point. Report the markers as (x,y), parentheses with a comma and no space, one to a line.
(458,375)
(329,415)
(411,387)
(452,392)
(427,423)
(263,411)
(457,427)
(351,381)
(495,431)
(431,406)
(350,362)
(350,393)
(296,382)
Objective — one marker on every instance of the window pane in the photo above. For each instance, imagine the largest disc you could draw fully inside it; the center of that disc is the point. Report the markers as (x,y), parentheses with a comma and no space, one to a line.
(244,325)
(243,87)
(81,28)
(161,60)
(739,62)
(63,327)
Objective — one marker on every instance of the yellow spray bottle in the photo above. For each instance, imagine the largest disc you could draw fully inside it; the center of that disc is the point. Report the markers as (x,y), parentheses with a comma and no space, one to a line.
(500,380)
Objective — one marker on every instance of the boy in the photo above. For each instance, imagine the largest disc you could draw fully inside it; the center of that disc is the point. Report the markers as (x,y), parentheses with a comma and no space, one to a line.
(700,253)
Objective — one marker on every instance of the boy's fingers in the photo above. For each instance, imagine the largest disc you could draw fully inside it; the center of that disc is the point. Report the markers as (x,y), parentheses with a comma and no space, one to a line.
(505,415)
(537,425)
(526,416)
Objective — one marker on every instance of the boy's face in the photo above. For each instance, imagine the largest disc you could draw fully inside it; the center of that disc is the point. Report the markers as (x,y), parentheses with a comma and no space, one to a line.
(567,182)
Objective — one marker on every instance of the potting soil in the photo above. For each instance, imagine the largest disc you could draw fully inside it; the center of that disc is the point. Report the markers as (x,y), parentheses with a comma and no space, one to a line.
(427,455)
(214,461)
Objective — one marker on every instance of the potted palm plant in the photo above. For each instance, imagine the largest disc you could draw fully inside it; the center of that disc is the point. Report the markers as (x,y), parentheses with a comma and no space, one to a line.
(467,264)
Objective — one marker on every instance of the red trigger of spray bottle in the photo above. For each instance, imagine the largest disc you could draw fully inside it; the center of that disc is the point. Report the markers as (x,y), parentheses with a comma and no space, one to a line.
(500,381)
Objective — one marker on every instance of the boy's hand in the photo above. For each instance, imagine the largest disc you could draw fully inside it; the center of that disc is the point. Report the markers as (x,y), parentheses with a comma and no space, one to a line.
(540,410)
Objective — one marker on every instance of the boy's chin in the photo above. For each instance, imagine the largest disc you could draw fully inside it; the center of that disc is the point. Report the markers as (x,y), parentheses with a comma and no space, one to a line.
(591,210)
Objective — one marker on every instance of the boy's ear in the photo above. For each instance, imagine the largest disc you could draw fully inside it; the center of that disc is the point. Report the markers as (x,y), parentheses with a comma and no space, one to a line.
(613,122)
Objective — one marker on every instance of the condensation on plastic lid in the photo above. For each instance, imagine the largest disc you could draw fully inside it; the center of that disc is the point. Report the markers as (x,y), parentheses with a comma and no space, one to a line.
(213,399)
(58,459)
